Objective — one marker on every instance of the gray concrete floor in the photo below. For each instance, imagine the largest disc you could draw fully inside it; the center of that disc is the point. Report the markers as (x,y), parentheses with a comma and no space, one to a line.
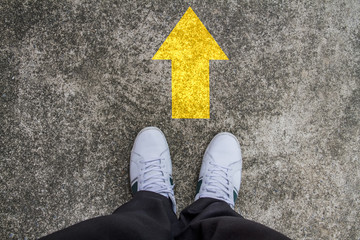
(78,83)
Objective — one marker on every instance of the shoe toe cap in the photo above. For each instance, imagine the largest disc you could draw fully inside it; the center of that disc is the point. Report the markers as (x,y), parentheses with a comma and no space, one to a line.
(150,142)
(225,149)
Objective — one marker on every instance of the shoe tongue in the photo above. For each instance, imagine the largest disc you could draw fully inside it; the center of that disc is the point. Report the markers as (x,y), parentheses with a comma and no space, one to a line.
(150,164)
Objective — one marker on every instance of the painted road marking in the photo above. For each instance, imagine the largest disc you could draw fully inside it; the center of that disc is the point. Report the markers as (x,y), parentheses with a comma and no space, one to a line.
(190,47)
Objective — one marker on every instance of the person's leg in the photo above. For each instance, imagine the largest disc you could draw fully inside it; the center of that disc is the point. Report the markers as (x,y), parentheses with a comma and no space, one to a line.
(209,218)
(212,216)
(147,216)
(150,214)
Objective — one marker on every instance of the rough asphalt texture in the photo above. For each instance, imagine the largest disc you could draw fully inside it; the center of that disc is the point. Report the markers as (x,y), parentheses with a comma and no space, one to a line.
(78,83)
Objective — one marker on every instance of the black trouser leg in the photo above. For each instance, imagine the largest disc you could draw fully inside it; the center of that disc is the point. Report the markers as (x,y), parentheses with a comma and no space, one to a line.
(147,216)
(213,219)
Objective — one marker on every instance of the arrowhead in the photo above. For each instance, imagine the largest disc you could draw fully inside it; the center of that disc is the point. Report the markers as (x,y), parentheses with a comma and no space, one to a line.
(190,40)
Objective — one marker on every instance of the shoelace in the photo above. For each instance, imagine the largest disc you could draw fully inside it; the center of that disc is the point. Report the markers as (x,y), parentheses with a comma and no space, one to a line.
(217,183)
(154,177)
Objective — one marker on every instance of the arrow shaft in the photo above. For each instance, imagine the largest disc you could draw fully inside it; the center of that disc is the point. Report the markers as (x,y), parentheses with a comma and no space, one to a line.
(190,89)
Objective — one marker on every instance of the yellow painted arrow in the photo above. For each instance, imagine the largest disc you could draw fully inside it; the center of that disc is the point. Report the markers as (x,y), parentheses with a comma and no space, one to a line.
(190,47)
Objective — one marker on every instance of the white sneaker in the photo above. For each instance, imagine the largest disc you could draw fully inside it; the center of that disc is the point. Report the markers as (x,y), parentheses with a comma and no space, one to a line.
(150,164)
(220,174)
